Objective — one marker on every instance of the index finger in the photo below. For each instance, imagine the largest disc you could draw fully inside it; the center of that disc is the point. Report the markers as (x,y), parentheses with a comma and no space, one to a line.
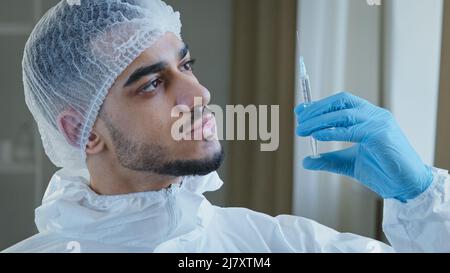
(334,103)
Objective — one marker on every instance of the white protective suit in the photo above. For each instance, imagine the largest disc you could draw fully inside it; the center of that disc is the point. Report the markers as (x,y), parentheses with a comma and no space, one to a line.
(180,219)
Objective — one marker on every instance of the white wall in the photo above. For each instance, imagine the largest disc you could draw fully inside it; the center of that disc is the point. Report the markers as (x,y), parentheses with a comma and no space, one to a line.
(340,41)
(413,43)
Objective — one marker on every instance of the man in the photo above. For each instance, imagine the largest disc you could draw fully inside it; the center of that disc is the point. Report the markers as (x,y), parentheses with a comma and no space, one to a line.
(101,79)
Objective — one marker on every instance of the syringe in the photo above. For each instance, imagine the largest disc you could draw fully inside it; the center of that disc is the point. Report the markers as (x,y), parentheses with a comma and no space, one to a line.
(306,91)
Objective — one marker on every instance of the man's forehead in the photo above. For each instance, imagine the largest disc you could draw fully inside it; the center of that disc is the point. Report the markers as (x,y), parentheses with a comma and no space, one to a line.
(112,45)
(160,54)
(167,49)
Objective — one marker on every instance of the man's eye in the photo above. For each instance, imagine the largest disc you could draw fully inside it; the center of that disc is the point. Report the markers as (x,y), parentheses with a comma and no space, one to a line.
(189,65)
(149,88)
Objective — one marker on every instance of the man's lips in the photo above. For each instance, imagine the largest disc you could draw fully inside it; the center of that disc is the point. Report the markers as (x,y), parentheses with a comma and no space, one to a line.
(198,124)
(205,123)
(209,121)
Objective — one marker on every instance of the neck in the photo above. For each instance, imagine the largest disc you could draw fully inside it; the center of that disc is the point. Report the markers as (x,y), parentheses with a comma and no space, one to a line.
(110,178)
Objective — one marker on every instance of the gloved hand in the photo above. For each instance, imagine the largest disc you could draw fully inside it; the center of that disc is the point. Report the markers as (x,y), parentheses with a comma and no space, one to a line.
(382,158)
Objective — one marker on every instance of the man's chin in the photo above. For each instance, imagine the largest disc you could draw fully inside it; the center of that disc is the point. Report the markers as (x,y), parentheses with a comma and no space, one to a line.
(200,149)
(202,166)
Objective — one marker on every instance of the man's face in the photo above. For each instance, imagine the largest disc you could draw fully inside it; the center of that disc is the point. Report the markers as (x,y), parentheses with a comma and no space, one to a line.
(136,115)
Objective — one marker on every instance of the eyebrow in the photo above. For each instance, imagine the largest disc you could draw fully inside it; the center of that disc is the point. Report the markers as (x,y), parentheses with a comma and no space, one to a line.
(154,68)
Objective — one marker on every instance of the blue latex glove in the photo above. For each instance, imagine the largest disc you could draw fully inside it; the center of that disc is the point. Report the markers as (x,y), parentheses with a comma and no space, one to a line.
(382,159)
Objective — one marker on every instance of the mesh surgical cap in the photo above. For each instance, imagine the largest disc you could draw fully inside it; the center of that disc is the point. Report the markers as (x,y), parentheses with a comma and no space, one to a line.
(74,55)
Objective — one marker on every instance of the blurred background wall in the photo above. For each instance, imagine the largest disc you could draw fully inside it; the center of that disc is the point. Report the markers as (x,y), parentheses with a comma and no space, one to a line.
(24,169)
(443,125)
(388,54)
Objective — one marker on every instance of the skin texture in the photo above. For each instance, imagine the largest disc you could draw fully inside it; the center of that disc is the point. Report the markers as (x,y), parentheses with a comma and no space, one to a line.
(131,148)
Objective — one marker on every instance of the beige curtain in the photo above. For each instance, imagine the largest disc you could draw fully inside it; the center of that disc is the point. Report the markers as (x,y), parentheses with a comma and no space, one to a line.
(263,74)
(443,123)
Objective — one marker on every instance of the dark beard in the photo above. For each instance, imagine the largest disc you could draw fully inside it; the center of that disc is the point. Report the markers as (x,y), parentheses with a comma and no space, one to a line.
(153,157)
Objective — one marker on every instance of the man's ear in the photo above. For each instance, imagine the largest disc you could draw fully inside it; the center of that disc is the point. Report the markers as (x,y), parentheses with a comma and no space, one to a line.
(95,143)
(69,124)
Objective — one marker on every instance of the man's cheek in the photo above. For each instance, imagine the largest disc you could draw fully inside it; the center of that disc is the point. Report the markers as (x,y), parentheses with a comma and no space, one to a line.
(145,129)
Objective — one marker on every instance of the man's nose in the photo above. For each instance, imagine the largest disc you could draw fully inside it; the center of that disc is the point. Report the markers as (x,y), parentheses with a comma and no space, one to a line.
(188,88)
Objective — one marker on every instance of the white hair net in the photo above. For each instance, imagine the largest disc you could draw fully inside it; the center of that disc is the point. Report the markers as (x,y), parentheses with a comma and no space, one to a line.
(74,55)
